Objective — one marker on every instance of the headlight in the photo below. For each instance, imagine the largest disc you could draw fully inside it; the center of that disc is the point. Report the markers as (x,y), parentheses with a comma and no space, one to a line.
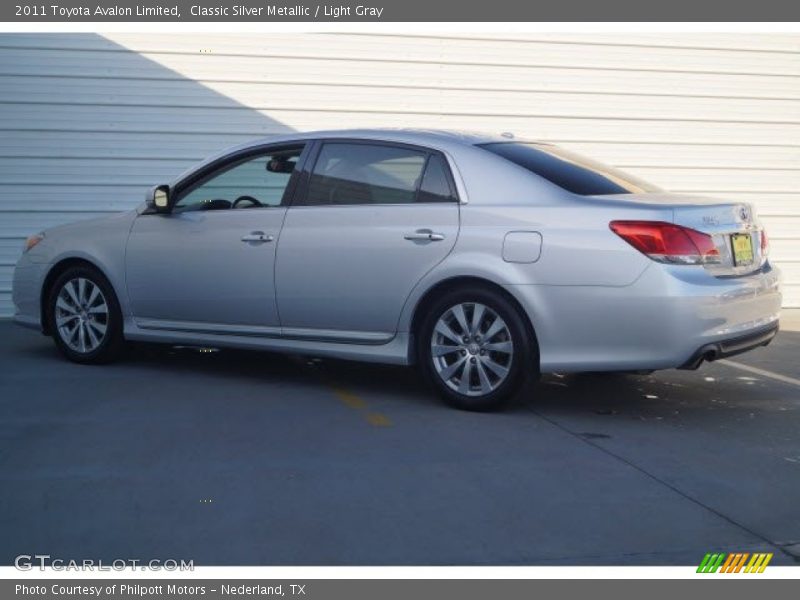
(33,240)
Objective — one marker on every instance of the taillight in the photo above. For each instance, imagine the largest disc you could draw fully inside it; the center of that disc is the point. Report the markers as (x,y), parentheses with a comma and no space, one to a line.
(764,243)
(667,242)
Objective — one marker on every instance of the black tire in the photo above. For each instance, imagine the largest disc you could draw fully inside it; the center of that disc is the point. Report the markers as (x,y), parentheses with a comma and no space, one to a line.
(112,341)
(523,367)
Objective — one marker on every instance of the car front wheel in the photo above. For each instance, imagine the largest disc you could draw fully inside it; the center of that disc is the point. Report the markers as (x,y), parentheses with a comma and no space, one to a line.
(85,318)
(475,349)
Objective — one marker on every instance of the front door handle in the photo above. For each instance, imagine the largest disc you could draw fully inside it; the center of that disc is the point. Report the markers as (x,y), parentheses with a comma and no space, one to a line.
(258,237)
(424,235)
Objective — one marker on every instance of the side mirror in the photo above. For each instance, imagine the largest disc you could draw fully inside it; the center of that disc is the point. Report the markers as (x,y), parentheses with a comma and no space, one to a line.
(158,198)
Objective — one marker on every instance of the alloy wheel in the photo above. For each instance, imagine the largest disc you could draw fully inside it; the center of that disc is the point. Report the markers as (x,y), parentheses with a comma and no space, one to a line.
(472,349)
(81,315)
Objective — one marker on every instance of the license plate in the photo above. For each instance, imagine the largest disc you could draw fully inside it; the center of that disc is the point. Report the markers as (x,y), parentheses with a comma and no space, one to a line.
(742,249)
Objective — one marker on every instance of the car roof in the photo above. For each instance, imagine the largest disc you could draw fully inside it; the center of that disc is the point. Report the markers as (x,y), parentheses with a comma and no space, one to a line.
(436,138)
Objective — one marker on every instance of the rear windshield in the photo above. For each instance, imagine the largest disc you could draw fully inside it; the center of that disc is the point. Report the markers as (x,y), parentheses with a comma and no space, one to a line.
(570,171)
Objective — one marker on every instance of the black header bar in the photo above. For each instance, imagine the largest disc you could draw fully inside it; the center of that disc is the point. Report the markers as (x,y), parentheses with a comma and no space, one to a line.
(402,11)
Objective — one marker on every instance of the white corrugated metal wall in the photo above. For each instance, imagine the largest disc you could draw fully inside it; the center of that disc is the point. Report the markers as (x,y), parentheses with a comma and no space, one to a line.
(87,122)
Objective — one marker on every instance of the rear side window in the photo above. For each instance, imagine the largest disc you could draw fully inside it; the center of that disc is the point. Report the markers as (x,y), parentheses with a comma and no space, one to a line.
(354,173)
(570,171)
(365,174)
(435,186)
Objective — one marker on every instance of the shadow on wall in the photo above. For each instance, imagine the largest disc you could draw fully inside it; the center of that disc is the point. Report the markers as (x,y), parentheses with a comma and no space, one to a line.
(87,125)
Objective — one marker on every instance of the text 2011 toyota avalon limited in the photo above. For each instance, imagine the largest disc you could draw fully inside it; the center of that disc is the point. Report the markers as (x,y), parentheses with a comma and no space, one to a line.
(484,260)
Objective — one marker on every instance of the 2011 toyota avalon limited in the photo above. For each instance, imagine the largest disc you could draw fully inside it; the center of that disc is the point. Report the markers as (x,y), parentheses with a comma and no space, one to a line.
(483,260)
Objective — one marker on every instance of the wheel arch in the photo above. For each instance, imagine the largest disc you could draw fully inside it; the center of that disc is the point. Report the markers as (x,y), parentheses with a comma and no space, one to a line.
(465,282)
(53,274)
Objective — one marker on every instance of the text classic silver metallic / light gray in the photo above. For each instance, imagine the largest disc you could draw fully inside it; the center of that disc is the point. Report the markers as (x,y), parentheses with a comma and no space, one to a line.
(484,260)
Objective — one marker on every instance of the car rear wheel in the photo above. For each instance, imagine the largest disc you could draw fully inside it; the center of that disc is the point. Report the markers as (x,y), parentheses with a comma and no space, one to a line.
(85,318)
(475,349)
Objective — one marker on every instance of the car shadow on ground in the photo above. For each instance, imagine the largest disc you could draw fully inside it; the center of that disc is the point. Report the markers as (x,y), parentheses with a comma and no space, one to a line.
(662,394)
(396,384)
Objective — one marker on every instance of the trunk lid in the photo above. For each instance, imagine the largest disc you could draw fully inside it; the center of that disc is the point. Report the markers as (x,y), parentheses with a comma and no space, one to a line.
(734,227)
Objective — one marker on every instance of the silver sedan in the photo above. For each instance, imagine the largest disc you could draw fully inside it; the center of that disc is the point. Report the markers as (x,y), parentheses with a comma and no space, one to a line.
(483,260)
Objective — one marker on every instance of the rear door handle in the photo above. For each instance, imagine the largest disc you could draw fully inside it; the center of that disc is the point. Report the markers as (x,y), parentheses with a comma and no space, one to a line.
(258,237)
(424,235)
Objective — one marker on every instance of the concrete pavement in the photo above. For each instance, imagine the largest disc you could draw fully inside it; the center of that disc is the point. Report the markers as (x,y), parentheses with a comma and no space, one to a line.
(233,458)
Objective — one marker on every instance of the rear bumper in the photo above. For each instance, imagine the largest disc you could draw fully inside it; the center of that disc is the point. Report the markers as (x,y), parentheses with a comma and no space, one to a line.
(660,321)
(731,347)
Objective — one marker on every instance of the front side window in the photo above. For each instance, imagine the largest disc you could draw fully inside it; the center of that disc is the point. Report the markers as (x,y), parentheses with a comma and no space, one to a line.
(353,173)
(253,182)
(570,171)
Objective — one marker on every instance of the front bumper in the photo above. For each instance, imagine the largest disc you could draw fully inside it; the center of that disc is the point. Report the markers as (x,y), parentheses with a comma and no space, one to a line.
(28,321)
(26,293)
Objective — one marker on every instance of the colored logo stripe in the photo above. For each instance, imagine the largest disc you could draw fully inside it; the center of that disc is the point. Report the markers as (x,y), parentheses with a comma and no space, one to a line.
(758,563)
(710,563)
(733,562)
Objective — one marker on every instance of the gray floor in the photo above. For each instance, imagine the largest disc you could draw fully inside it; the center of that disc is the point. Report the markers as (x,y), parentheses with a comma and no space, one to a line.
(253,458)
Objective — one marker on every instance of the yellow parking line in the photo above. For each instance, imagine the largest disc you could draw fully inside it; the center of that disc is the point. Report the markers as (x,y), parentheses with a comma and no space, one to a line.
(348,398)
(378,420)
(351,400)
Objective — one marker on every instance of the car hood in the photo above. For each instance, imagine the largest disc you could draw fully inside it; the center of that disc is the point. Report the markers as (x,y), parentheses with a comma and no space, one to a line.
(87,226)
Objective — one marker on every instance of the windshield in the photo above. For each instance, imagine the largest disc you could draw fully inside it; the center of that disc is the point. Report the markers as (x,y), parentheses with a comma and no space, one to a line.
(570,171)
